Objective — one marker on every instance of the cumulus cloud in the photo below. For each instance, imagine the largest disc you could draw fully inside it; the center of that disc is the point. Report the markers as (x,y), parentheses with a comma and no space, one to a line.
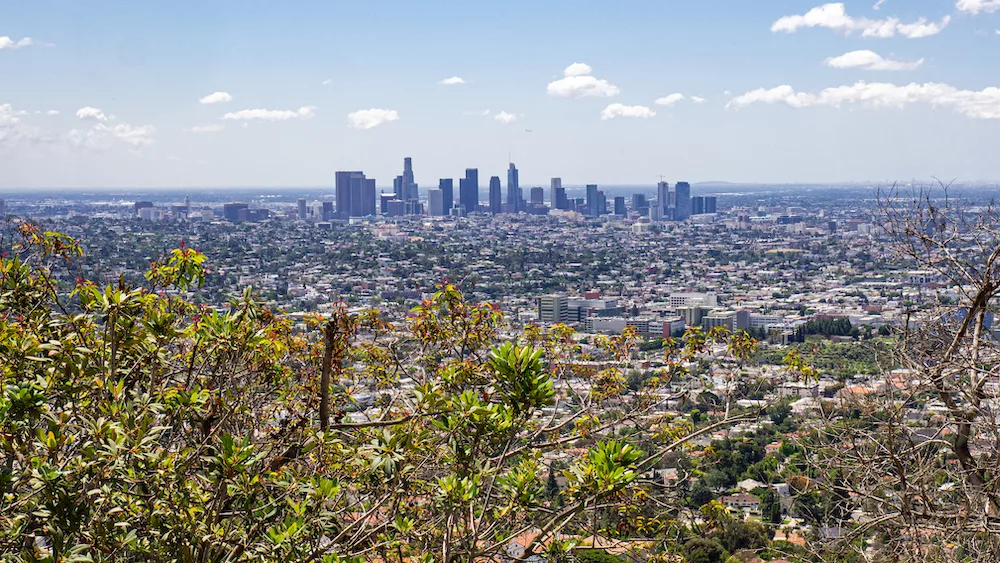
(834,16)
(14,134)
(698,100)
(870,60)
(669,100)
(102,137)
(577,69)
(369,118)
(622,110)
(978,6)
(209,128)
(505,118)
(8,43)
(452,81)
(91,113)
(982,104)
(216,98)
(304,112)
(577,83)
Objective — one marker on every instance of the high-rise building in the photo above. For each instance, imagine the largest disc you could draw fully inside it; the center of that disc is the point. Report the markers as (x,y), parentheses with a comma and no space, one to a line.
(538,196)
(344,182)
(435,202)
(468,190)
(553,309)
(383,202)
(140,205)
(682,200)
(3,208)
(555,186)
(368,197)
(639,204)
(697,205)
(620,205)
(496,201)
(447,187)
(410,189)
(327,210)
(593,207)
(663,201)
(513,191)
(187,204)
(710,204)
(397,188)
(602,203)
(235,212)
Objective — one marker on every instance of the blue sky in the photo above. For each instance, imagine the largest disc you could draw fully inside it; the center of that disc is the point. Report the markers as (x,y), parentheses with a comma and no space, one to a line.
(126,79)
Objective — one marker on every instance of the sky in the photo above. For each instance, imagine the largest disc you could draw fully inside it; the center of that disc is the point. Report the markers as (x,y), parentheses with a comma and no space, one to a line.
(259,93)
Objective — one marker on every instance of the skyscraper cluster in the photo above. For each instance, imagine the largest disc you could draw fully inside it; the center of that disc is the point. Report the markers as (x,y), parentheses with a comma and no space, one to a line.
(356,197)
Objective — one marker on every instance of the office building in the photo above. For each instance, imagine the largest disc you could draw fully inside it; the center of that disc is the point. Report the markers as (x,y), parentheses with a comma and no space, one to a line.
(468,190)
(397,188)
(235,212)
(697,205)
(383,202)
(327,210)
(447,187)
(620,205)
(538,196)
(555,189)
(593,207)
(710,204)
(639,204)
(513,191)
(496,199)
(302,209)
(347,183)
(553,309)
(368,197)
(682,201)
(3,208)
(410,189)
(140,205)
(435,202)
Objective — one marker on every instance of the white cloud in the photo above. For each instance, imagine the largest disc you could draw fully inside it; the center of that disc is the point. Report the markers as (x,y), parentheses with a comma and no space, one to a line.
(834,16)
(870,60)
(304,112)
(982,104)
(452,81)
(216,98)
(577,69)
(622,110)
(505,118)
(369,118)
(576,83)
(52,112)
(582,86)
(209,128)
(102,137)
(669,100)
(978,6)
(14,134)
(327,82)
(698,100)
(878,4)
(8,43)
(91,113)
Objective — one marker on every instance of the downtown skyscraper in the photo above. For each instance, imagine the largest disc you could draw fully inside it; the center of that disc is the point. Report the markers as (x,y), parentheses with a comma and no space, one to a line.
(496,199)
(513,190)
(468,190)
(447,187)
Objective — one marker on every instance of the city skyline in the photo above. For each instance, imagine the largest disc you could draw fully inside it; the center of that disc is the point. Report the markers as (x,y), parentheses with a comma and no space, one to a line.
(787,92)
